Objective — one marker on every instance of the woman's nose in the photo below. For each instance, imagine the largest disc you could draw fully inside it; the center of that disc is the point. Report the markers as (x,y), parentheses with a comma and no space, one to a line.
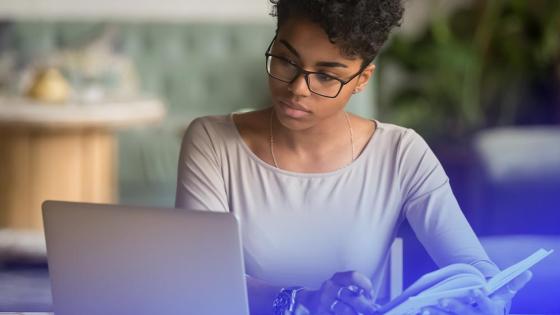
(299,86)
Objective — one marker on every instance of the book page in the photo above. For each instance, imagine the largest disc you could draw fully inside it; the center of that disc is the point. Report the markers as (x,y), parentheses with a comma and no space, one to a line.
(458,283)
(513,271)
(430,280)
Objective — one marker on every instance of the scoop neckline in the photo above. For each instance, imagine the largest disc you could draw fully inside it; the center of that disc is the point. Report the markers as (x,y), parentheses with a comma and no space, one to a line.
(369,146)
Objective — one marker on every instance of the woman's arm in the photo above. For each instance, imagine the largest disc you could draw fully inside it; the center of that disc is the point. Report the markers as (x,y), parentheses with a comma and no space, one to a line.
(432,210)
(438,222)
(200,183)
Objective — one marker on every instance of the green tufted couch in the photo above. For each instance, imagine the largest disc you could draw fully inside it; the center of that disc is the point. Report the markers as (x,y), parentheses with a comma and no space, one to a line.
(195,68)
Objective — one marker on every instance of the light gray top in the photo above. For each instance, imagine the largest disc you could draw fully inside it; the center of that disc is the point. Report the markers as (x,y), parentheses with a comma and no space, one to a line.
(300,228)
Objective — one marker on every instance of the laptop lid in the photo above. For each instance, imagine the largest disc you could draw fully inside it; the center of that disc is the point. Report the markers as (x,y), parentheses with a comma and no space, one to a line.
(114,259)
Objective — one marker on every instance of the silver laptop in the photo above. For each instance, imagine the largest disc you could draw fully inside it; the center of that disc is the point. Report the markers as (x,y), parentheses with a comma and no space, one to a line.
(125,260)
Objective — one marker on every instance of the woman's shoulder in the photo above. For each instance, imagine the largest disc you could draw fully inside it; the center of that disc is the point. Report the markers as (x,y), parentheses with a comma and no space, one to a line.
(215,126)
(253,129)
(227,129)
(398,136)
(208,132)
(213,121)
(224,123)
(393,130)
(253,121)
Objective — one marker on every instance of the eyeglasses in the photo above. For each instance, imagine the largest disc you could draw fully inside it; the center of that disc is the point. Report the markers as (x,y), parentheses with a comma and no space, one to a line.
(319,83)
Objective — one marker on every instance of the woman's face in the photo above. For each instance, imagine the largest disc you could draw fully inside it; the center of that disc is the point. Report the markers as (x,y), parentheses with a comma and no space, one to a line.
(307,45)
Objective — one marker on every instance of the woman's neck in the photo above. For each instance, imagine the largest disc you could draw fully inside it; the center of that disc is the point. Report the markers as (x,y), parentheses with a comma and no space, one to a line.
(330,133)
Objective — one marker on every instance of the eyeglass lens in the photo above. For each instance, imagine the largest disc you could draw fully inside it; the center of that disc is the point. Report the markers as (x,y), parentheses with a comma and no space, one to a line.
(318,83)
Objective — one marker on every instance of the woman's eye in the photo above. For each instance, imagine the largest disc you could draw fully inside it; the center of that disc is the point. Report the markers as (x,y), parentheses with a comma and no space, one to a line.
(293,63)
(287,61)
(324,77)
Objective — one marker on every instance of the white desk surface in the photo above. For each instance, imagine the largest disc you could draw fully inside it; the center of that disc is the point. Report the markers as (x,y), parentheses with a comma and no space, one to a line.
(108,113)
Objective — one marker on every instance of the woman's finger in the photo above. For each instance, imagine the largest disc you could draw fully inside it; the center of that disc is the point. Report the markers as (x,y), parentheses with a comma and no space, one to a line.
(508,291)
(485,305)
(331,292)
(328,294)
(354,278)
(478,303)
(520,281)
(455,306)
(338,307)
(433,310)
(357,301)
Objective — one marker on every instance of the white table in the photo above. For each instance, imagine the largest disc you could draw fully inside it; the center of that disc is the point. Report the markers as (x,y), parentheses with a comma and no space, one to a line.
(65,152)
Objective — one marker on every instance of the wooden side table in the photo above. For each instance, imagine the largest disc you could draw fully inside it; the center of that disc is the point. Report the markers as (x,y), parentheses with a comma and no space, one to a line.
(64,152)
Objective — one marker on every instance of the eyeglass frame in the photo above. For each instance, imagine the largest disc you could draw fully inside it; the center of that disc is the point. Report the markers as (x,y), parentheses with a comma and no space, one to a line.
(306,73)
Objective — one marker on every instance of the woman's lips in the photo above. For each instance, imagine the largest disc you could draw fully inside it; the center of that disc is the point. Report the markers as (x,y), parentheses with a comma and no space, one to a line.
(293,110)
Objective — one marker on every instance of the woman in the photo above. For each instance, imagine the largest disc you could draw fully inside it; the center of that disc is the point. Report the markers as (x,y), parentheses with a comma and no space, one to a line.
(320,193)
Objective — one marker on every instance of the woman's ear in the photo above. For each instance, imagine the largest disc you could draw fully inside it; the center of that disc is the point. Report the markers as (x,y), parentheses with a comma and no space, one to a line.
(363,78)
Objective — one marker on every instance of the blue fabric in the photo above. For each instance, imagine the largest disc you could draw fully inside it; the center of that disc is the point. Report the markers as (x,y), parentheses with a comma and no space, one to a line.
(25,289)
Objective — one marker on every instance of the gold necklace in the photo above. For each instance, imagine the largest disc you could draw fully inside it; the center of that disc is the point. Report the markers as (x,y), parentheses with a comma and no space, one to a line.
(272,138)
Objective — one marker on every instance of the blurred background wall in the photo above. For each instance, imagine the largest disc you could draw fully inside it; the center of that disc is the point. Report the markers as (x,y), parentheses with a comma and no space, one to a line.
(191,10)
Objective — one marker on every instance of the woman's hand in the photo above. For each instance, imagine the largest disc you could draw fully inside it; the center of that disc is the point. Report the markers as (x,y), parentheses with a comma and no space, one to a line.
(479,303)
(346,293)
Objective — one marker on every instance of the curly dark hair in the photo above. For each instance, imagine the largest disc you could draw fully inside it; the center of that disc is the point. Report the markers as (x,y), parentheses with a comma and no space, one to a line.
(358,27)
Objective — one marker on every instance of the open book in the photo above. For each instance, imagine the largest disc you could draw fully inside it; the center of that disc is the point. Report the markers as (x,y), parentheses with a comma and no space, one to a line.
(455,281)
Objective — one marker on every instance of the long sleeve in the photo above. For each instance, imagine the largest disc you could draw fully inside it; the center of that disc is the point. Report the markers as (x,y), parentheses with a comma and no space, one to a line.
(433,211)
(200,185)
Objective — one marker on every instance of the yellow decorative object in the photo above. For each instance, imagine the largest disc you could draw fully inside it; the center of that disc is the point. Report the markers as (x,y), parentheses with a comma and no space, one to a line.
(49,86)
